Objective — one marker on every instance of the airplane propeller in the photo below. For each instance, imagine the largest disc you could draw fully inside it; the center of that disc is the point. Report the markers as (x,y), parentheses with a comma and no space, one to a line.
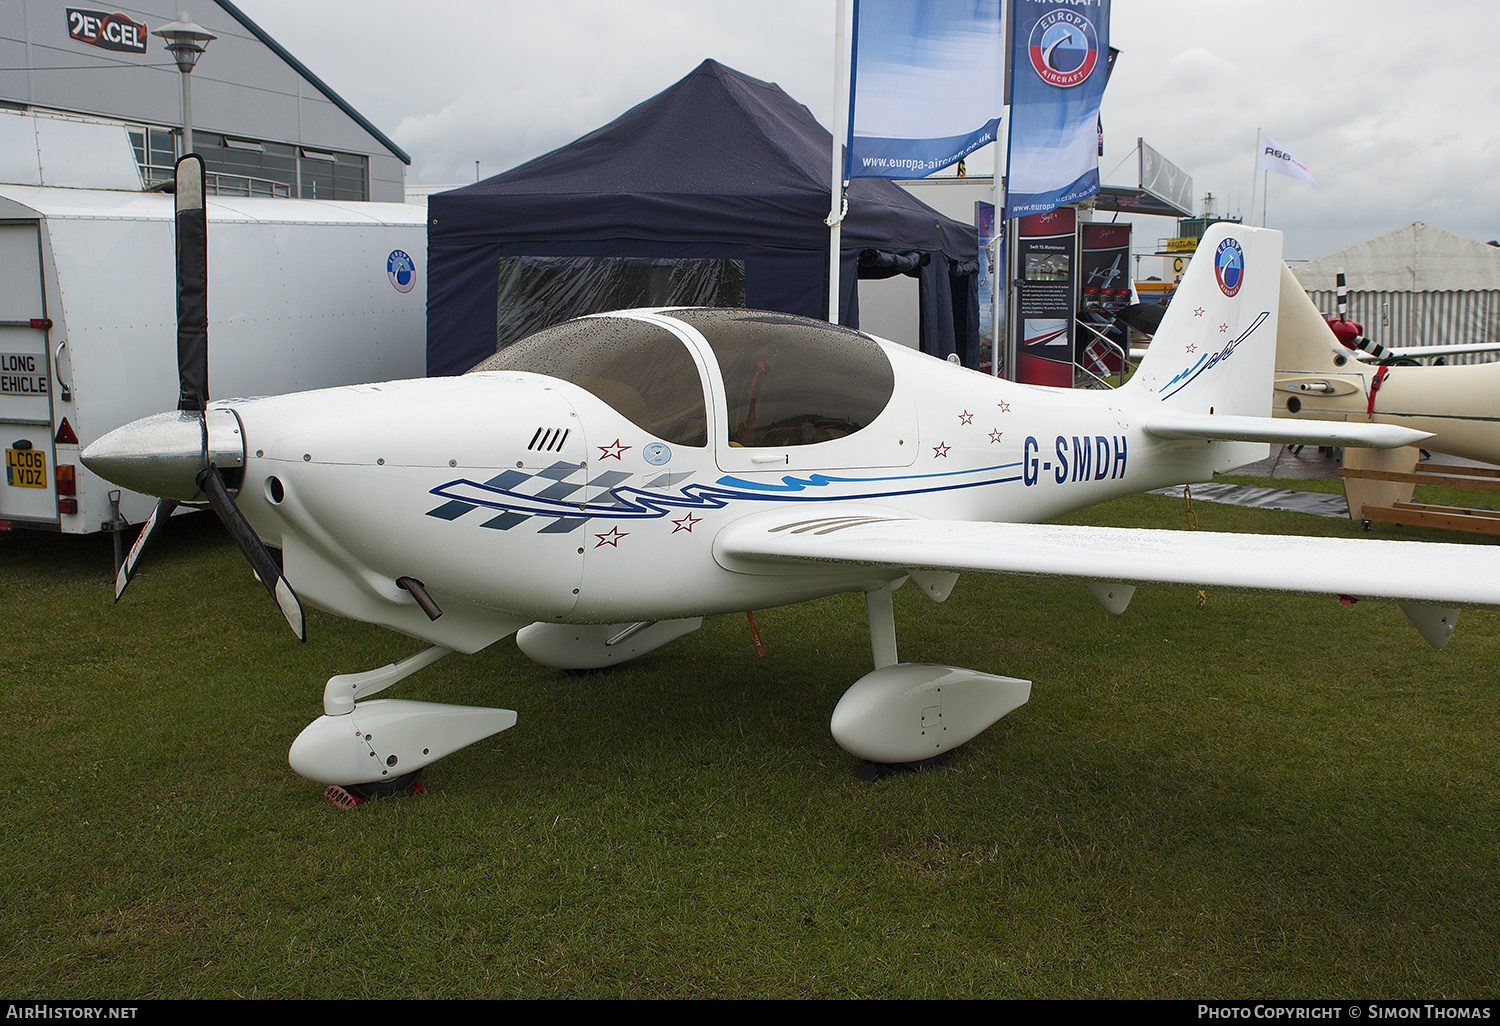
(160,460)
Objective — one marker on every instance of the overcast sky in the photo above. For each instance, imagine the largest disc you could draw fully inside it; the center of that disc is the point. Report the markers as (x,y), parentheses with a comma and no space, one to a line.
(1392,106)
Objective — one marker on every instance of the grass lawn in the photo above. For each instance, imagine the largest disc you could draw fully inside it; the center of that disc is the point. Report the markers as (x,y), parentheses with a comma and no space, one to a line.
(1255,796)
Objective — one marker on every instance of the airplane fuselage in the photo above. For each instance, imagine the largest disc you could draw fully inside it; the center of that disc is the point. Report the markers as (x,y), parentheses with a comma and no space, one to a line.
(1457,404)
(519,497)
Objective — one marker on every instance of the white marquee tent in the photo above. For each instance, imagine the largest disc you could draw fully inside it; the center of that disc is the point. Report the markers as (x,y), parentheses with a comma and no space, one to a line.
(1414,286)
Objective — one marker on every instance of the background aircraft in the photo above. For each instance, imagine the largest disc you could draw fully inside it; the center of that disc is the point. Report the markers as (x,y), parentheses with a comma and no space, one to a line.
(1318,378)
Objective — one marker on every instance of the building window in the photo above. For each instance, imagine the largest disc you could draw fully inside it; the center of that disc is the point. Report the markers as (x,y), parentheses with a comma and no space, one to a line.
(247,167)
(244,167)
(155,152)
(339,176)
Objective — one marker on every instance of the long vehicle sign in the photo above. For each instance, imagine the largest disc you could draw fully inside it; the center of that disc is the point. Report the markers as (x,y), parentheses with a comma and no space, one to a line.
(21,374)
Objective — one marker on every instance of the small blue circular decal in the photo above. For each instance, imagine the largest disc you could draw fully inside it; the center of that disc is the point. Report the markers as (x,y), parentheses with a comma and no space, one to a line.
(402,271)
(656,453)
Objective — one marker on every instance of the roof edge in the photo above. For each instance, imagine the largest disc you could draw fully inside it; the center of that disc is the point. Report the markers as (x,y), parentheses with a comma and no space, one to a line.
(303,70)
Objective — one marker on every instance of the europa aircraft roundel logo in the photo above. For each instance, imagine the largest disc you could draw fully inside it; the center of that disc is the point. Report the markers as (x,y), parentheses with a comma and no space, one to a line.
(402,270)
(1229,266)
(1064,47)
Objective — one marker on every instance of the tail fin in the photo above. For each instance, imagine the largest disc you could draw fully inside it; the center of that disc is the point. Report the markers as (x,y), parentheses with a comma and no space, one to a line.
(1215,351)
(1210,371)
(1304,342)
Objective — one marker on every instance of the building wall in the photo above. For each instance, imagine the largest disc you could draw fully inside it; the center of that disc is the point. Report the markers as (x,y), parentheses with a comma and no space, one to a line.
(241,86)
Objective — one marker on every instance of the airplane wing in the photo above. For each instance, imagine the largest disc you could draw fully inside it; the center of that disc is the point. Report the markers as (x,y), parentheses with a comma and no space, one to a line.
(1416,574)
(1428,352)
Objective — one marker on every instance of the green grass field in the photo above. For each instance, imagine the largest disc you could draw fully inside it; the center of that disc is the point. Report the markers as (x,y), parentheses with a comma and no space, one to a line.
(1261,796)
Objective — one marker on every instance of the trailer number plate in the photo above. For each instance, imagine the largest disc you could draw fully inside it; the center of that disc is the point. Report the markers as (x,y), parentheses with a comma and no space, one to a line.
(26,468)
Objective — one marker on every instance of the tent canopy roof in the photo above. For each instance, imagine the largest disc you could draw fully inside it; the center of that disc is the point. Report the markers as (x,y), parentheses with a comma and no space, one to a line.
(1416,258)
(718,157)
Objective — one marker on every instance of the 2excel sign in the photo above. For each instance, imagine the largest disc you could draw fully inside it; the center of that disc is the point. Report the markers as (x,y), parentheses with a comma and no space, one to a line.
(107,31)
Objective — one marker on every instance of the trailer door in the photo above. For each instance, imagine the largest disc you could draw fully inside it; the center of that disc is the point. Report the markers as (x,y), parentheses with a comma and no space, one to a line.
(26,496)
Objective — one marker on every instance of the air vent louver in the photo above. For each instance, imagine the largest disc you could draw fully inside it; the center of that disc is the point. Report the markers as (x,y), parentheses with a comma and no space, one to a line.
(549,439)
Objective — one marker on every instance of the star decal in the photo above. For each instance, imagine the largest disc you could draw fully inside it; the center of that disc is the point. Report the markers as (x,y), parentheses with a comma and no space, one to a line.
(686,523)
(1004,406)
(941,449)
(1192,347)
(614,449)
(1223,328)
(612,538)
(995,436)
(1198,312)
(966,417)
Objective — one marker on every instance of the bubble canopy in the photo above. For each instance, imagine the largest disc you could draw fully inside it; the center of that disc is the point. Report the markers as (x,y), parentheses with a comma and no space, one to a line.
(788,380)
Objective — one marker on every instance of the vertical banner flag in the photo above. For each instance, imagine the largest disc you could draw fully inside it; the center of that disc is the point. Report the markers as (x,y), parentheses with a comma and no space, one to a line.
(1272,157)
(1058,69)
(924,85)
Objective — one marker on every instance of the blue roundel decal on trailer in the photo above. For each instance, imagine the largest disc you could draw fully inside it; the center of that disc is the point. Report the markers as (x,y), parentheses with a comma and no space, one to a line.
(1229,267)
(402,270)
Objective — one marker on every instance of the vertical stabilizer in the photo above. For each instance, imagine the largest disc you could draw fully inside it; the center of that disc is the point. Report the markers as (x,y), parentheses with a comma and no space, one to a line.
(1215,350)
(1304,342)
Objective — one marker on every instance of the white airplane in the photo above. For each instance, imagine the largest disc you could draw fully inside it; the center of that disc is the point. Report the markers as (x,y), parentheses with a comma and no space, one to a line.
(600,487)
(1107,274)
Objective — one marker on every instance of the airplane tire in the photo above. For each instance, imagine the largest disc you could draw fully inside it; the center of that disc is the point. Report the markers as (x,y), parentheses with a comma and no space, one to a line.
(384,788)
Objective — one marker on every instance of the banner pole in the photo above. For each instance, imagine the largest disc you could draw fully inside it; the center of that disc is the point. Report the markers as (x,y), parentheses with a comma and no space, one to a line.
(1004,226)
(840,130)
(1254,167)
(999,278)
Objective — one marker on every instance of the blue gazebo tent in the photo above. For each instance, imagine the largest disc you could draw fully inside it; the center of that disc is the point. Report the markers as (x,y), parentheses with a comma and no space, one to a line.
(712,192)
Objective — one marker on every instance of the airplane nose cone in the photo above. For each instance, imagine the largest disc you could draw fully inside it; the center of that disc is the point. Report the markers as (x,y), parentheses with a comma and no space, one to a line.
(162,455)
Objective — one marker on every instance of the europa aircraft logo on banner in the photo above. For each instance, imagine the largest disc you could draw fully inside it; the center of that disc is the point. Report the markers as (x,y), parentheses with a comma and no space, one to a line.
(1063,48)
(1057,80)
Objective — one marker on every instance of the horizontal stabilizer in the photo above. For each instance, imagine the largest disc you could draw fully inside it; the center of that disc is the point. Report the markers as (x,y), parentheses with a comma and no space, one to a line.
(1286,432)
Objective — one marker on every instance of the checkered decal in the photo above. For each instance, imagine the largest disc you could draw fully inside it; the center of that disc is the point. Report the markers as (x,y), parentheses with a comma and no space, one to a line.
(557,483)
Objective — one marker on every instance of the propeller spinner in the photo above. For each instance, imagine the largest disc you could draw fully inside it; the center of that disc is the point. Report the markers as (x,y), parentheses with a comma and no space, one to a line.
(181,457)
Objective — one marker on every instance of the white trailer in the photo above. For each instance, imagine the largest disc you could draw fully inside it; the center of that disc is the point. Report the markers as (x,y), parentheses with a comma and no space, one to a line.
(302,294)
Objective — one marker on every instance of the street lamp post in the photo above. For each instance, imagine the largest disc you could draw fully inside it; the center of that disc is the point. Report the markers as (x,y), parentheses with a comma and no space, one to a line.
(186,43)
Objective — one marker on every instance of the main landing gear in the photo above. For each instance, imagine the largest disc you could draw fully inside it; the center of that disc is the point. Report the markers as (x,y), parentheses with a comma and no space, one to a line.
(903,716)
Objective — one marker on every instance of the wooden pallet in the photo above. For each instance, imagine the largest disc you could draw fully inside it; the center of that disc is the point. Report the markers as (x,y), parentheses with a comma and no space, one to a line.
(1424,514)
